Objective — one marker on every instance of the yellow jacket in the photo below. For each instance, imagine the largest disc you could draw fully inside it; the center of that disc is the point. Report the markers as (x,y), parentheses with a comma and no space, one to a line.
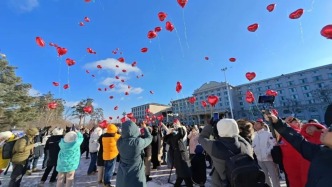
(4,162)
(109,139)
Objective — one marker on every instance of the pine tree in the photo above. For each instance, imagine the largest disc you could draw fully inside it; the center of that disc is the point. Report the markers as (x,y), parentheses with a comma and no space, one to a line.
(16,106)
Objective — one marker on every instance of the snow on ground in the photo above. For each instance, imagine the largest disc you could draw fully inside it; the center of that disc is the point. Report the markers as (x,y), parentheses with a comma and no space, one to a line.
(160,177)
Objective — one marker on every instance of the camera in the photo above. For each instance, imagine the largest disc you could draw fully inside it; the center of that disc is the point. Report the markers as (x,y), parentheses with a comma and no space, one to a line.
(266,99)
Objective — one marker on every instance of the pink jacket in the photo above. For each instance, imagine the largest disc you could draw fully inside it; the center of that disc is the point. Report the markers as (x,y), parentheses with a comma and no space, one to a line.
(193,141)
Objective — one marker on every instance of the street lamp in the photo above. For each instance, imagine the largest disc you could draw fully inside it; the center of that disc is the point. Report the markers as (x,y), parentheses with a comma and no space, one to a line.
(229,96)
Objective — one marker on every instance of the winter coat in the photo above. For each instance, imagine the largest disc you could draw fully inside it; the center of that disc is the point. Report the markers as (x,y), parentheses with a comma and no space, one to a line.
(292,160)
(100,160)
(193,141)
(70,154)
(219,152)
(262,144)
(53,148)
(38,151)
(93,141)
(131,170)
(85,143)
(22,149)
(198,167)
(315,139)
(148,149)
(179,153)
(4,162)
(155,145)
(109,139)
(320,171)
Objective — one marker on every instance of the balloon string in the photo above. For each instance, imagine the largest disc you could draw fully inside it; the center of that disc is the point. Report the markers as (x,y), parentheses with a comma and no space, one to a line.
(185,28)
(59,75)
(301,30)
(177,34)
(312,6)
(68,80)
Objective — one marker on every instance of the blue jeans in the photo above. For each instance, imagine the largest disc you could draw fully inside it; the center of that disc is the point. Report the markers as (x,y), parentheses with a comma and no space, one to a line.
(93,161)
(109,169)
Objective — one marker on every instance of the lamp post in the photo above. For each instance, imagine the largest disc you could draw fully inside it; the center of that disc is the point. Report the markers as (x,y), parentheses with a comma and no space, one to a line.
(229,96)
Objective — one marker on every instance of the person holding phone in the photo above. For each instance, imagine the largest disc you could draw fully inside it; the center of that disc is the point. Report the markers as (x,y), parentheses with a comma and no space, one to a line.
(320,171)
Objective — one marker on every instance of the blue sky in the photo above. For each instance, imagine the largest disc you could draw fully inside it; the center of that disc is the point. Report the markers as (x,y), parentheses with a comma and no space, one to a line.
(216,29)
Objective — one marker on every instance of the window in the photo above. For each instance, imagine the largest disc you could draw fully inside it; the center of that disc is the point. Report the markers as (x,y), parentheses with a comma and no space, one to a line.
(317,78)
(279,85)
(303,80)
(218,94)
(241,103)
(292,90)
(282,98)
(225,93)
(219,99)
(330,75)
(268,87)
(220,104)
(295,96)
(311,101)
(239,98)
(227,103)
(240,92)
(259,89)
(320,85)
(290,83)
(304,88)
(280,91)
(308,95)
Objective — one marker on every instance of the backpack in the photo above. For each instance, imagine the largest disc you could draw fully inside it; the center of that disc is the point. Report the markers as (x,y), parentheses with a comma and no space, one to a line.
(243,171)
(7,149)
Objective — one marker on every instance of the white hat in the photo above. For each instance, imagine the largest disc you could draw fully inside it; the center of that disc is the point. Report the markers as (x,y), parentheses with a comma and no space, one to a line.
(6,135)
(98,131)
(57,131)
(70,137)
(227,128)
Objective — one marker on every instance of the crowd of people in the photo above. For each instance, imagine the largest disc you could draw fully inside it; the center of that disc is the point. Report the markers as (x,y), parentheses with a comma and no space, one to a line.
(302,151)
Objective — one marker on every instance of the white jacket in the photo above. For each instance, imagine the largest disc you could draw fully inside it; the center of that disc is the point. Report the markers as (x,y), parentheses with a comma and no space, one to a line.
(93,141)
(262,144)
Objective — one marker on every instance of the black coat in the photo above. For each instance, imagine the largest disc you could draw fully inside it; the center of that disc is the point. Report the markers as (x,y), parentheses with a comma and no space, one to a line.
(320,170)
(52,146)
(155,145)
(198,168)
(179,153)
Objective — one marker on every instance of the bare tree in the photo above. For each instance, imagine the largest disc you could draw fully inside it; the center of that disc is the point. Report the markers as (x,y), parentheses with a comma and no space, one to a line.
(324,94)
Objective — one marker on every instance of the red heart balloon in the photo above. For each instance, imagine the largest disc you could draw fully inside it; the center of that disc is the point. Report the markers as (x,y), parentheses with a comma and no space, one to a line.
(66,86)
(55,83)
(206,58)
(52,105)
(327,31)
(271,93)
(152,34)
(275,112)
(133,64)
(124,71)
(70,62)
(232,59)
(81,24)
(250,75)
(130,115)
(126,93)
(151,92)
(250,97)
(182,3)
(86,19)
(144,50)
(123,119)
(61,51)
(213,100)
(99,66)
(157,29)
(121,59)
(112,86)
(253,27)
(87,109)
(178,87)
(99,89)
(162,16)
(111,97)
(192,100)
(122,80)
(147,110)
(116,108)
(117,77)
(270,7)
(40,41)
(296,14)
(103,124)
(203,104)
(169,26)
(160,117)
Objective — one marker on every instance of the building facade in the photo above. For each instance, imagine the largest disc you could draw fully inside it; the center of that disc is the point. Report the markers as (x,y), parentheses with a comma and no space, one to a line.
(140,112)
(303,94)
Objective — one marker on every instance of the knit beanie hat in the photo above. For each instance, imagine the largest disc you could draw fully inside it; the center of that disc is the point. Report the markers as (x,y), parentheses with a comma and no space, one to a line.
(70,137)
(32,131)
(57,131)
(199,149)
(227,128)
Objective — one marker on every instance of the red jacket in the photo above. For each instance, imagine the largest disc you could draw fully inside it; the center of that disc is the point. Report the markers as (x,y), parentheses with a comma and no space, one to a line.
(292,161)
(315,138)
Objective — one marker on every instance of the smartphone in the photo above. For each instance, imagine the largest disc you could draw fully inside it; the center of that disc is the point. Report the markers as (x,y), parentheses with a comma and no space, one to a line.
(216,116)
(266,99)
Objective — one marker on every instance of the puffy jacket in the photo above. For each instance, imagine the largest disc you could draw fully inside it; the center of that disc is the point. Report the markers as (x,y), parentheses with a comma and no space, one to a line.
(93,142)
(320,171)
(69,155)
(262,144)
(193,141)
(109,140)
(4,162)
(23,149)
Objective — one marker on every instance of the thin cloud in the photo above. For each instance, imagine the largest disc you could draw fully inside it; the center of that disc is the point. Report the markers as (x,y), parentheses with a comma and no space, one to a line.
(23,6)
(111,63)
(73,103)
(34,92)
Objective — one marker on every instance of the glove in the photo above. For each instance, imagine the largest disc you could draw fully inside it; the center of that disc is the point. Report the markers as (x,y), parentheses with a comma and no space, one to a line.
(37,144)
